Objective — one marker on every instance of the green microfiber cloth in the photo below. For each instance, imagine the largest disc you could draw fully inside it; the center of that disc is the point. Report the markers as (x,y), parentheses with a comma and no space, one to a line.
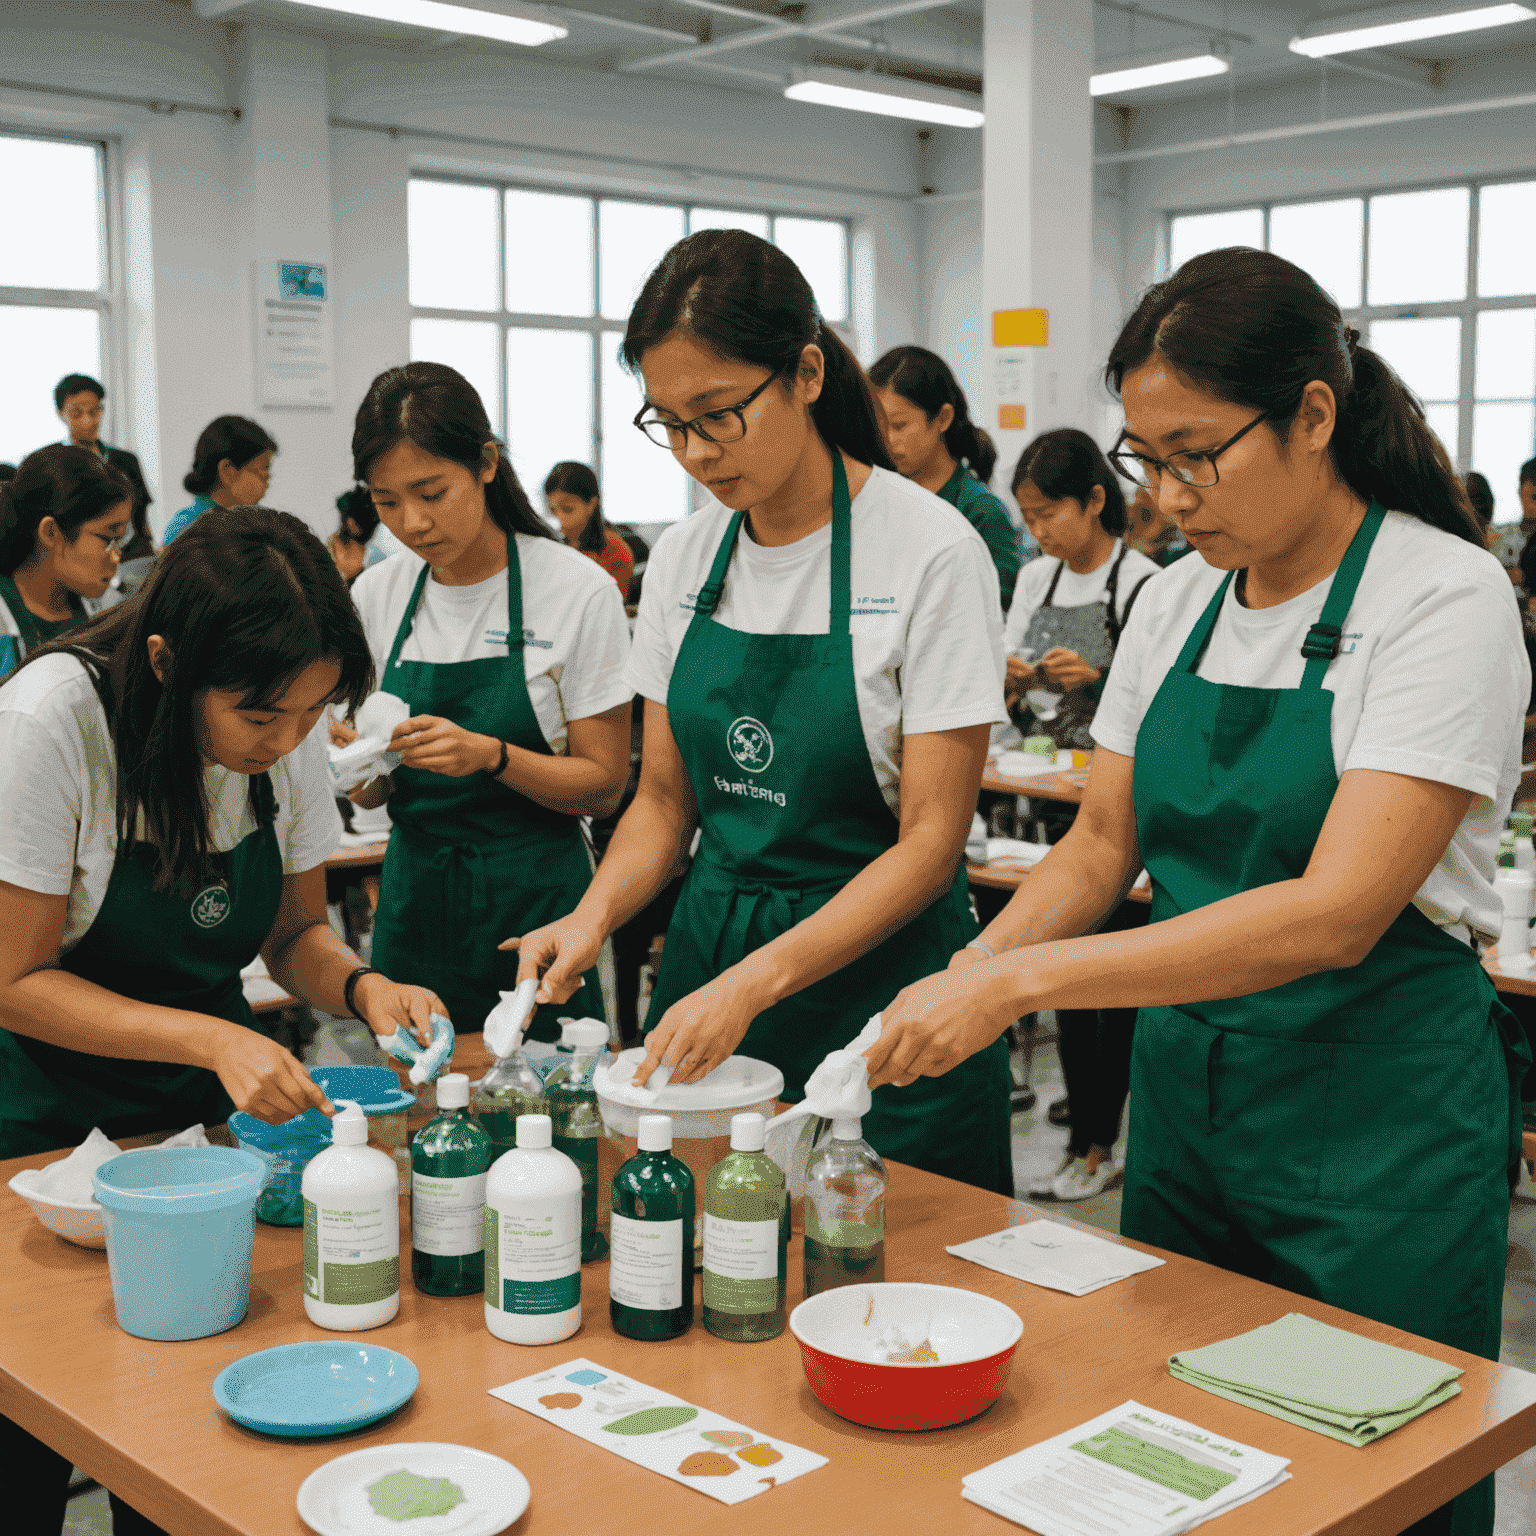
(1321,1378)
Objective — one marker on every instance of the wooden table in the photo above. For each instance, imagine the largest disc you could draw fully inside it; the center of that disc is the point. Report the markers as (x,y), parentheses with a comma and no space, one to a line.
(1012,879)
(1062,784)
(140,1417)
(366,856)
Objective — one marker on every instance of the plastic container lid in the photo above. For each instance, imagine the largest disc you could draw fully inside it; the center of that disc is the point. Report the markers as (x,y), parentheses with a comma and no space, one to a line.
(534,1131)
(375,1089)
(747,1133)
(655,1133)
(584,1034)
(350,1126)
(453,1090)
(179,1181)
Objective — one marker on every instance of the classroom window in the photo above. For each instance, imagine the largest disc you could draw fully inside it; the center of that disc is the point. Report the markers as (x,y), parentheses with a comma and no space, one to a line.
(55,293)
(1441,281)
(526,291)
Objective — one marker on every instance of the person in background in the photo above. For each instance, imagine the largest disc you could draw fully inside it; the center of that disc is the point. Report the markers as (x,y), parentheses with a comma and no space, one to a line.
(931,437)
(1151,534)
(1480,494)
(354,546)
(231,467)
(77,397)
(1509,539)
(574,499)
(63,519)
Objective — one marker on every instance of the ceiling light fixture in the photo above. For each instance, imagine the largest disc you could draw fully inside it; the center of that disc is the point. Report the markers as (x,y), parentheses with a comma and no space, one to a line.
(1366,33)
(1138,77)
(524,25)
(890,98)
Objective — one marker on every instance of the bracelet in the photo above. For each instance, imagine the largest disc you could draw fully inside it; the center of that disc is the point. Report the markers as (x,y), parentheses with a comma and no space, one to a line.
(349,991)
(500,767)
(984,947)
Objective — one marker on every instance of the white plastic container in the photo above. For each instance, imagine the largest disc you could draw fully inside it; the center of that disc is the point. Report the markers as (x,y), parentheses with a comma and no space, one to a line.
(1517,891)
(351,1229)
(533,1240)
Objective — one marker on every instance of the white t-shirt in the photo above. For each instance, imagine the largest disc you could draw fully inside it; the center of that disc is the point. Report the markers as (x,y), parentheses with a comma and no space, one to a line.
(575,638)
(1431,681)
(926,618)
(1073,590)
(58,794)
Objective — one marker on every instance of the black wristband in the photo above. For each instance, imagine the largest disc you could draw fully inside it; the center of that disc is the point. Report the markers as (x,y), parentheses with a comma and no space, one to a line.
(349,991)
(500,767)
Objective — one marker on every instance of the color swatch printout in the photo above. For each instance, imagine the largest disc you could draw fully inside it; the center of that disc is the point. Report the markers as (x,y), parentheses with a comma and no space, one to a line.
(653,1429)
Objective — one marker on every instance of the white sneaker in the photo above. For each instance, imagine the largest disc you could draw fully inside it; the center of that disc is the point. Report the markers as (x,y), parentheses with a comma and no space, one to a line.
(1043,1185)
(1077,1183)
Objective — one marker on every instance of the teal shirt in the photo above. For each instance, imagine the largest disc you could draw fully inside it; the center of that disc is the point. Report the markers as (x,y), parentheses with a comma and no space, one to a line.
(987,515)
(186,517)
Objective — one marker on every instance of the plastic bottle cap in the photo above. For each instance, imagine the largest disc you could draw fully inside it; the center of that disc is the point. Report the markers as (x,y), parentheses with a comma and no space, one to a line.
(584,1034)
(453,1090)
(655,1133)
(848,1128)
(747,1133)
(534,1131)
(349,1128)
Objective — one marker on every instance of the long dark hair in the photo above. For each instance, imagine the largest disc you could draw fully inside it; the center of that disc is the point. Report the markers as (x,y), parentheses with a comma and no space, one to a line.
(1480,494)
(578,480)
(71,485)
(924,378)
(245,599)
(1066,462)
(439,410)
(356,506)
(747,301)
(1250,328)
(236,438)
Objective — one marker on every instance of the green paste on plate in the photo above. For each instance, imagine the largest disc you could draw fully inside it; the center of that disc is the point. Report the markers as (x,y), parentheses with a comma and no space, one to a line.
(405,1496)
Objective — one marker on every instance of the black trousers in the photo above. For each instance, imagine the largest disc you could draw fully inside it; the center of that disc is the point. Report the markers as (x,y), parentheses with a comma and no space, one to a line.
(36,1481)
(1095,1048)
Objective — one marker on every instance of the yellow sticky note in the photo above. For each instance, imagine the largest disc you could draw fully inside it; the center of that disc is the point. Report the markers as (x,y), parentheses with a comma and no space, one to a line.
(1010,418)
(1021,327)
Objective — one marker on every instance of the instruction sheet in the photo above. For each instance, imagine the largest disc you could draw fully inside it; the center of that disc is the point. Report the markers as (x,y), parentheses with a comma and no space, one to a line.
(1057,1257)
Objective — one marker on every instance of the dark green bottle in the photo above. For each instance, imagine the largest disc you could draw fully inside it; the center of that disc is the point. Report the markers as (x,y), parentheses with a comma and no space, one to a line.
(746,1231)
(571,1102)
(650,1278)
(450,1155)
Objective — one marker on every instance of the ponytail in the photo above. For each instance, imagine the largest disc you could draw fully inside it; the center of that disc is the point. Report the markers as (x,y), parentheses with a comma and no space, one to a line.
(924,378)
(845,413)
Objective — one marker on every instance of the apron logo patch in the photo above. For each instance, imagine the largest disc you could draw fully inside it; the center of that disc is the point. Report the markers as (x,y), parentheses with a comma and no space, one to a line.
(750,745)
(211,906)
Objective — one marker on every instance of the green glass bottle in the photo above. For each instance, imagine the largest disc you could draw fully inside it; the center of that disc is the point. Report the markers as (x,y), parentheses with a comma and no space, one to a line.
(450,1155)
(571,1101)
(746,1232)
(650,1279)
(511,1088)
(844,1212)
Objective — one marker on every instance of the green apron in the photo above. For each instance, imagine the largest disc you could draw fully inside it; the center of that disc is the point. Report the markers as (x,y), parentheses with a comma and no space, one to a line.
(154,947)
(470,862)
(35,631)
(790,811)
(1349,1135)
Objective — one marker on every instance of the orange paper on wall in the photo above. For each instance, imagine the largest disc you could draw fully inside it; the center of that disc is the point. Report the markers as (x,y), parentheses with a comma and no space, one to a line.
(1021,327)
(1010,418)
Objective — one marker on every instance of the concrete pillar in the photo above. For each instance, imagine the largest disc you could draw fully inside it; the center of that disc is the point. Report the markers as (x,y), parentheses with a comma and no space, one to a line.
(1037,238)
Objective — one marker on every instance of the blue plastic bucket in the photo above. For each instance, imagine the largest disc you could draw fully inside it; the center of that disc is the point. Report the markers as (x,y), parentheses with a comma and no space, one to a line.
(286,1150)
(180,1222)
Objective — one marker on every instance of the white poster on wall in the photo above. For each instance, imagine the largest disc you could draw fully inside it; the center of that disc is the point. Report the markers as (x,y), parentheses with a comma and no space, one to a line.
(295,352)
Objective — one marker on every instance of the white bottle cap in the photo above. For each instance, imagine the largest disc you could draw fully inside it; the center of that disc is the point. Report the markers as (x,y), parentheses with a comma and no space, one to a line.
(349,1128)
(747,1133)
(584,1034)
(655,1133)
(453,1090)
(533,1131)
(848,1128)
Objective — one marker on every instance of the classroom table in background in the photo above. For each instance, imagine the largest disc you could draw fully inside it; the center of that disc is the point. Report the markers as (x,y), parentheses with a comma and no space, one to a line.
(1065,784)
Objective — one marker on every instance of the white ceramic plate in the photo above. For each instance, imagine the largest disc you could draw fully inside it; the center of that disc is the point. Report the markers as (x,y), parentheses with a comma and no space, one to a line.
(479,1494)
(76,1222)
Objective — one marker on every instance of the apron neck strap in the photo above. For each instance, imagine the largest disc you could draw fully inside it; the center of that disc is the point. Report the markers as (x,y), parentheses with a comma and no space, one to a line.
(514,607)
(25,622)
(1322,642)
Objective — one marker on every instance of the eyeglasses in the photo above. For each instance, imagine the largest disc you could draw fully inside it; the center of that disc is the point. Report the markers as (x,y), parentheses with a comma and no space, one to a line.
(114,545)
(1194,468)
(728,425)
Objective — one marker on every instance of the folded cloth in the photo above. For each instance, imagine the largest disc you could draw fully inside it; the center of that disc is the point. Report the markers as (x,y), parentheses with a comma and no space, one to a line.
(1308,1373)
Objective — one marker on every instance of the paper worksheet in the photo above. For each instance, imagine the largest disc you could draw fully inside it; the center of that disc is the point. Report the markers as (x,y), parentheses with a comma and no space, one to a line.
(1058,1257)
(1130,1472)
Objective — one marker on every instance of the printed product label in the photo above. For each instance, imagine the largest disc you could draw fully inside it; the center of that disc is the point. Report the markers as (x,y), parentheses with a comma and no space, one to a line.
(646,1269)
(351,1256)
(533,1256)
(445,1213)
(741,1265)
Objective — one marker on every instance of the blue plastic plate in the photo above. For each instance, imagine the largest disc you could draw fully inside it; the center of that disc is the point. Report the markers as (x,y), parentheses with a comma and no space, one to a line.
(321,1388)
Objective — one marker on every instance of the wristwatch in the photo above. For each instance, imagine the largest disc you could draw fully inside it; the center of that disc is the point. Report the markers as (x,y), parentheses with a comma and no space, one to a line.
(500,767)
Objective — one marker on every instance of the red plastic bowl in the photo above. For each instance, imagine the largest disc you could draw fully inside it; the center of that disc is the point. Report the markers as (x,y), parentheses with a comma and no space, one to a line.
(973,1336)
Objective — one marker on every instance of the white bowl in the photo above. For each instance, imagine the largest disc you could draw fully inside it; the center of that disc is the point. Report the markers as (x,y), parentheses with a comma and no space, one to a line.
(959,1325)
(75,1222)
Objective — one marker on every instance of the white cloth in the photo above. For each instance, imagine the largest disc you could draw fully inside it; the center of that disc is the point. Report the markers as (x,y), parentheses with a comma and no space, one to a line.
(1073,590)
(58,794)
(926,618)
(1431,682)
(575,638)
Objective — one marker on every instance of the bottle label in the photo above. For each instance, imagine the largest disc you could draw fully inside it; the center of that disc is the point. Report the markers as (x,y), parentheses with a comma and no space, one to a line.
(533,1256)
(741,1265)
(646,1270)
(352,1255)
(446,1214)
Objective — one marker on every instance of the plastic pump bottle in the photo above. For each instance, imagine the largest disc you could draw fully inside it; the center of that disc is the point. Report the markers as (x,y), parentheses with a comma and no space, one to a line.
(578,1122)
(351,1229)
(844,1212)
(533,1240)
(511,1088)
(650,1278)
(449,1158)
(746,1230)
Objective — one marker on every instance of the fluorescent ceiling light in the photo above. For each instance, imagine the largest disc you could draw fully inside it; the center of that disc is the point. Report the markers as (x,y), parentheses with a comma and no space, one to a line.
(890,98)
(1137,77)
(1383,34)
(528,27)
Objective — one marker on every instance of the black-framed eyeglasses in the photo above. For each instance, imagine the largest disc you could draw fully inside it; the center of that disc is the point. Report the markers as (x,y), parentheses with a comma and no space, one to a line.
(727,425)
(1197,468)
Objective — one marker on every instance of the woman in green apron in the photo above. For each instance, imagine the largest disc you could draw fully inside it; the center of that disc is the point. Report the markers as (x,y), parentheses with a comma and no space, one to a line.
(819,653)
(187,714)
(509,649)
(63,518)
(1311,736)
